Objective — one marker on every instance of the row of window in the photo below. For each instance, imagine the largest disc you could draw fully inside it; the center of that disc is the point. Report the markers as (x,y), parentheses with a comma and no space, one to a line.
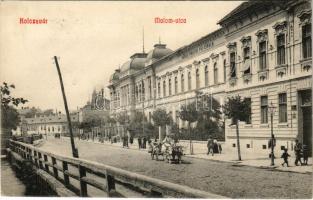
(282,109)
(52,128)
(281,54)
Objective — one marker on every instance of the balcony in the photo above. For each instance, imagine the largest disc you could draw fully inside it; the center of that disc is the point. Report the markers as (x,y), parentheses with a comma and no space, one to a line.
(306,64)
(247,77)
(232,81)
(281,70)
(263,75)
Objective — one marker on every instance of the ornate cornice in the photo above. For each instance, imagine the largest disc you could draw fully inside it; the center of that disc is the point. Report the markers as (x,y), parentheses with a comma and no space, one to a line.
(305,16)
(196,62)
(205,60)
(246,41)
(280,27)
(232,46)
(262,35)
(213,55)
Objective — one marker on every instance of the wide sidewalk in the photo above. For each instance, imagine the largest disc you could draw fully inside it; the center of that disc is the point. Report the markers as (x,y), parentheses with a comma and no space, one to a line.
(247,159)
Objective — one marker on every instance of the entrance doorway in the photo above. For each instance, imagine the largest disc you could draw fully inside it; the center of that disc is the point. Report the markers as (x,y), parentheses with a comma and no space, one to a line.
(307,127)
(306,108)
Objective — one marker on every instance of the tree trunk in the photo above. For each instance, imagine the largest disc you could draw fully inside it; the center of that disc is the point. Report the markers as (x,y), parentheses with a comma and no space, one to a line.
(160,133)
(238,142)
(191,149)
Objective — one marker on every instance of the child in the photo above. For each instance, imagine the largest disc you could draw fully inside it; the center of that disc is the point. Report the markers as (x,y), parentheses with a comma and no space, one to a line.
(285,156)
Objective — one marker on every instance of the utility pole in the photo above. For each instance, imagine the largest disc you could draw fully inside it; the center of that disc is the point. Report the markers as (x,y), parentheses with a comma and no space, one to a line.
(74,150)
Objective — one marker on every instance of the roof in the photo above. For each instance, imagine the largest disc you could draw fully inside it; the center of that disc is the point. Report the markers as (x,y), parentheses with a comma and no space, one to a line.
(158,52)
(136,62)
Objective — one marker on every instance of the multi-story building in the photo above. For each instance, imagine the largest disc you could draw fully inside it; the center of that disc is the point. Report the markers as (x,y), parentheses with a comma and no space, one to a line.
(262,52)
(50,124)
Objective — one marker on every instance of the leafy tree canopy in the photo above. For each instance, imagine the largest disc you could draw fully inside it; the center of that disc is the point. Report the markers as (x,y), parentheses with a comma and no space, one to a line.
(237,108)
(161,118)
(189,112)
(9,115)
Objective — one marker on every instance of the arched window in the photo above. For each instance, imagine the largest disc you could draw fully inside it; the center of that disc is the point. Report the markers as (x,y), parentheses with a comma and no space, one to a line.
(169,87)
(136,93)
(189,81)
(164,89)
(197,79)
(143,91)
(159,89)
(206,75)
(182,83)
(225,70)
(215,73)
(175,85)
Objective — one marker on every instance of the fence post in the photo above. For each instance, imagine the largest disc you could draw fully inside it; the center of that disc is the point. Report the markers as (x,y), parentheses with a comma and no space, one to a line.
(36,159)
(83,184)
(40,161)
(110,182)
(55,170)
(66,177)
(45,157)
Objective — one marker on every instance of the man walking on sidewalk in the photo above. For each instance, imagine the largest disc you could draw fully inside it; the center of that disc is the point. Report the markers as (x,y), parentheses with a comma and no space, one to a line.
(298,148)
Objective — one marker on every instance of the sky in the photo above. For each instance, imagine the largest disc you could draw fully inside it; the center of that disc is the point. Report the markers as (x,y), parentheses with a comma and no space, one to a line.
(91,40)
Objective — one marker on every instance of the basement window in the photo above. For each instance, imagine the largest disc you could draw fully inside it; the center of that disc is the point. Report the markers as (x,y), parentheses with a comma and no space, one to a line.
(234,145)
(264,146)
(248,146)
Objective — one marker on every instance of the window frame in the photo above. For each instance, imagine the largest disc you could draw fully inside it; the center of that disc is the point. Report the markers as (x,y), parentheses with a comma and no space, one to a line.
(233,67)
(281,49)
(264,107)
(263,52)
(282,108)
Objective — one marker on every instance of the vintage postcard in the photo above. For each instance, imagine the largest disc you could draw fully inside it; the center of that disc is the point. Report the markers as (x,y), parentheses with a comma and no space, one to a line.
(165,99)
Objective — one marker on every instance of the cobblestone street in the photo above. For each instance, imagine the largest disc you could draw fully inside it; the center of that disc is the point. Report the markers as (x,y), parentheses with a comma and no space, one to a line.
(221,178)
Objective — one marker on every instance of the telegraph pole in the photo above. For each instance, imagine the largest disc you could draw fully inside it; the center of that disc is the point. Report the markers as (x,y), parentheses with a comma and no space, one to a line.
(74,150)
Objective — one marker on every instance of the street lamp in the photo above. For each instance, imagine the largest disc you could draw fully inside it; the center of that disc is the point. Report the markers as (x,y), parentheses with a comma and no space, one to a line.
(272,110)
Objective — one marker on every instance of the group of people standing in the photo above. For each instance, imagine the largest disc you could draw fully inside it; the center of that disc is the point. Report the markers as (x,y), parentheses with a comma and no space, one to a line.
(301,151)
(142,142)
(213,147)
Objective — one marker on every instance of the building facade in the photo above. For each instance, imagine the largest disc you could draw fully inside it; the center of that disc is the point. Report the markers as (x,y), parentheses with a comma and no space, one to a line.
(262,52)
(50,125)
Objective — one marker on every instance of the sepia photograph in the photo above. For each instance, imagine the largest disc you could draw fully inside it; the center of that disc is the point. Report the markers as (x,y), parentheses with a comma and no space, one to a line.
(156,99)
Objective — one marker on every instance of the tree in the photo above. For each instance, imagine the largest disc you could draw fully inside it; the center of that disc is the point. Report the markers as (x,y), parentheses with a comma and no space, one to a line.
(237,109)
(161,118)
(32,112)
(48,112)
(9,115)
(190,114)
(209,117)
(137,123)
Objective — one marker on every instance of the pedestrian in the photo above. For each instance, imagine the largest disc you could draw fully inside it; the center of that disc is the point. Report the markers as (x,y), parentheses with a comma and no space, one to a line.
(220,148)
(131,140)
(305,151)
(210,146)
(285,156)
(126,141)
(215,146)
(297,149)
(123,140)
(144,142)
(139,142)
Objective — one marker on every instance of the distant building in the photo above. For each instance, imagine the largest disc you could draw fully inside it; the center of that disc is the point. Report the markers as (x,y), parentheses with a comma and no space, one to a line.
(49,125)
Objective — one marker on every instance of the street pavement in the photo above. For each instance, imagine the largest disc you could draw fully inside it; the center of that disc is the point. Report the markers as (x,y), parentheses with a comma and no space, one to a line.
(223,178)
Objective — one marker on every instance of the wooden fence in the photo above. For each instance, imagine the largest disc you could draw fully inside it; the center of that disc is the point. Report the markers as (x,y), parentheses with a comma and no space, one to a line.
(106,178)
